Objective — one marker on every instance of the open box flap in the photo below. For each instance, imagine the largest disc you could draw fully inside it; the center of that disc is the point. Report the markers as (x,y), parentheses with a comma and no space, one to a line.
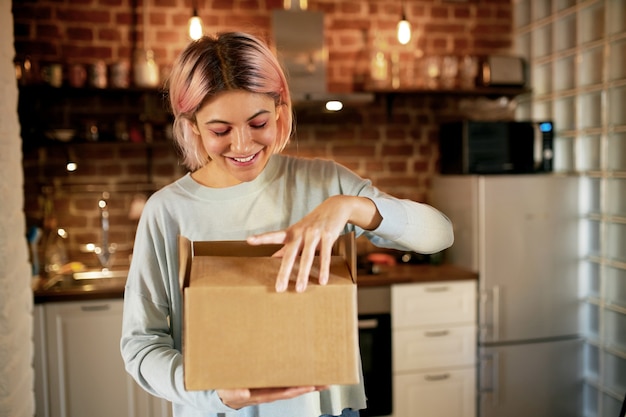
(344,247)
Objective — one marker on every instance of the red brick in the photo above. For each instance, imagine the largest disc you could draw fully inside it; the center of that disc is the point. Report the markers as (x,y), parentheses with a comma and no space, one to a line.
(353,150)
(439,12)
(397,150)
(79,33)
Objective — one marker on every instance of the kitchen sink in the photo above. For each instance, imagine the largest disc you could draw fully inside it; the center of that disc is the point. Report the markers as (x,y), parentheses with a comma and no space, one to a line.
(87,280)
(100,274)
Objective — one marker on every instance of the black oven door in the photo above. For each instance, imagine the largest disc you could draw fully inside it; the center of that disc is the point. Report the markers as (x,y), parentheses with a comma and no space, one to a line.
(375,345)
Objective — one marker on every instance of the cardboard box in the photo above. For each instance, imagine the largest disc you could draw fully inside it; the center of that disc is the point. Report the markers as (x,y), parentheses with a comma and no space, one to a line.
(240,333)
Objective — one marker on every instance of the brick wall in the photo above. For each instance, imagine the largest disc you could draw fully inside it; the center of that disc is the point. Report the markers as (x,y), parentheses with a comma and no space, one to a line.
(396,149)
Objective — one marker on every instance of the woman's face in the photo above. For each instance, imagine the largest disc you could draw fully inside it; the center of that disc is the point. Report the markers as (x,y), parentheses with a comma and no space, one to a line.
(239,131)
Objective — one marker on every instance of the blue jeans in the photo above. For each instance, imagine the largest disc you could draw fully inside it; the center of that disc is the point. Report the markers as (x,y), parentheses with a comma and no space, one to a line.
(347,412)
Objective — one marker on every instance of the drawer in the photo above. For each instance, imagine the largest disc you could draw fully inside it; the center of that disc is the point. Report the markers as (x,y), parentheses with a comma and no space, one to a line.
(433,304)
(428,348)
(434,394)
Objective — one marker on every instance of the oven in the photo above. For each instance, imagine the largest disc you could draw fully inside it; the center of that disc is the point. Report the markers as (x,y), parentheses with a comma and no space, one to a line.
(375,345)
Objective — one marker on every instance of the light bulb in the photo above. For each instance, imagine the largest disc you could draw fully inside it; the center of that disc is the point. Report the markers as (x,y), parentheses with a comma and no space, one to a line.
(404,31)
(195,27)
(334,105)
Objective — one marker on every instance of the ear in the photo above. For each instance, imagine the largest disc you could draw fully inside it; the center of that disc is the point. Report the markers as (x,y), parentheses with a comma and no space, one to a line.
(194,128)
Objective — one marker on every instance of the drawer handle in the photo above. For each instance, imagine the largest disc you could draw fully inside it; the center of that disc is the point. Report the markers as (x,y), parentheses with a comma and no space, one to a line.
(441,288)
(436,333)
(368,324)
(439,377)
(101,307)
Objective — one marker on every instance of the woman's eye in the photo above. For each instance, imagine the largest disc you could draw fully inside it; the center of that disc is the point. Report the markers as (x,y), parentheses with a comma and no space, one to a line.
(258,125)
(221,132)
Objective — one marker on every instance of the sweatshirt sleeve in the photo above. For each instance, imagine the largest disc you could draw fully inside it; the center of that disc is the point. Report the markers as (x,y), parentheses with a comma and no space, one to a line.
(151,325)
(406,224)
(153,362)
(411,225)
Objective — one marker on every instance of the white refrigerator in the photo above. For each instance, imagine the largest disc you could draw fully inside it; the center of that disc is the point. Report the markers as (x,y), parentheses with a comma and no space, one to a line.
(520,233)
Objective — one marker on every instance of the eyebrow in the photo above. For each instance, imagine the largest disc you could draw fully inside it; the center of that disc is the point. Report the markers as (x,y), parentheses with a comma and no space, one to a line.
(260,112)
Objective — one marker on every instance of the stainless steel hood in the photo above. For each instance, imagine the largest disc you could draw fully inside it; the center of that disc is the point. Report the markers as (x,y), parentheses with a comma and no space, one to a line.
(299,40)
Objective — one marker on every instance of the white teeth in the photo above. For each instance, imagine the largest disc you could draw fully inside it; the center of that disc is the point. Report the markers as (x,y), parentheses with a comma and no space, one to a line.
(247,159)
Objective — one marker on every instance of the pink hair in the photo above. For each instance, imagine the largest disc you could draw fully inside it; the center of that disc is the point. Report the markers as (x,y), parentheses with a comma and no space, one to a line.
(212,64)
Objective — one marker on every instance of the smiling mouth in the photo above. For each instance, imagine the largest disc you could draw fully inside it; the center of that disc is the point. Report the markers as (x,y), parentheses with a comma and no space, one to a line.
(244,159)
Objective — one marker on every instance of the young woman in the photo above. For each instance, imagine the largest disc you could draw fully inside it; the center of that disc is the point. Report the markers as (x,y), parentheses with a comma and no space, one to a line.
(233,117)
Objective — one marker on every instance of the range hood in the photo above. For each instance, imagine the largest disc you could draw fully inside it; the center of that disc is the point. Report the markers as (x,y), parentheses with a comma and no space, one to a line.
(299,40)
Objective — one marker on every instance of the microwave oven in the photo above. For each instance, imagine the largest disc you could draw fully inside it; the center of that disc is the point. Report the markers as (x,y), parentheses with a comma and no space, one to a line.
(495,147)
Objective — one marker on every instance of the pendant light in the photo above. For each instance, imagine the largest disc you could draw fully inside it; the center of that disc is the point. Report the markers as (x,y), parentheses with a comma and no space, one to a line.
(195,24)
(404,29)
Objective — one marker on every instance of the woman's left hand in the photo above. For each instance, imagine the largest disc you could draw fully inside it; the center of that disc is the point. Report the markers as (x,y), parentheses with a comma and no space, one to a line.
(318,230)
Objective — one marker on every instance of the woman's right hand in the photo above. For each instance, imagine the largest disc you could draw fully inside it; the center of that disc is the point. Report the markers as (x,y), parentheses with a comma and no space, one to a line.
(239,398)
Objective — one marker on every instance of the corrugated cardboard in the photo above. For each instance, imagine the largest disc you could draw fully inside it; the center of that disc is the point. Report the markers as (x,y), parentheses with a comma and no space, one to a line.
(240,333)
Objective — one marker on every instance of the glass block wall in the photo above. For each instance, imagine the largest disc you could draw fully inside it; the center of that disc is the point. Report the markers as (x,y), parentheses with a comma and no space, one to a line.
(576,50)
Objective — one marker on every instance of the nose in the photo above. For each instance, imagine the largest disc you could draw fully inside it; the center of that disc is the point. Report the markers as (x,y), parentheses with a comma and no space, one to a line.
(242,141)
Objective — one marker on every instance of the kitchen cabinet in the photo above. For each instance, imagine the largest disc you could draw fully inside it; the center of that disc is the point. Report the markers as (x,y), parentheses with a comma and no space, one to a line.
(434,349)
(81,372)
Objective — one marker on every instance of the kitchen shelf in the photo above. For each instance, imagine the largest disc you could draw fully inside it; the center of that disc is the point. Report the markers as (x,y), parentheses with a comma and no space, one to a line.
(390,93)
(113,112)
(494,91)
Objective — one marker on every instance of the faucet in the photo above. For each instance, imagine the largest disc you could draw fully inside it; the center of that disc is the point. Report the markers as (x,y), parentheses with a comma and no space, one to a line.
(105,250)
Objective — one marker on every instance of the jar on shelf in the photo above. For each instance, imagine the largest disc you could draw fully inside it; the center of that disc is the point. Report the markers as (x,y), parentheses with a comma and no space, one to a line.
(98,74)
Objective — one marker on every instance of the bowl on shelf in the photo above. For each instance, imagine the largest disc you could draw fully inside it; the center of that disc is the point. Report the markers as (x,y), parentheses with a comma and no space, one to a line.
(63,135)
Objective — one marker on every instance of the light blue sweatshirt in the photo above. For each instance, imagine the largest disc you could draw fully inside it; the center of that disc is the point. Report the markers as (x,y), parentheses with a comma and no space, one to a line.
(286,190)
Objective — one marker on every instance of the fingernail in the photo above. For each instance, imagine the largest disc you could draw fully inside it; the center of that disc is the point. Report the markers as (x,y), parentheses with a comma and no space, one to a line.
(301,286)
(280,286)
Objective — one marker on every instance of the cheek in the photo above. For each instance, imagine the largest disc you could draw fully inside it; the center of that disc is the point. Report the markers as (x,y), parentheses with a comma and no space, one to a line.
(213,145)
(268,137)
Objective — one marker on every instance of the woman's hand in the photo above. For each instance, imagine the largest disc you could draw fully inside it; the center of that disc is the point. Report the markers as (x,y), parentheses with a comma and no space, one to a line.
(239,398)
(318,230)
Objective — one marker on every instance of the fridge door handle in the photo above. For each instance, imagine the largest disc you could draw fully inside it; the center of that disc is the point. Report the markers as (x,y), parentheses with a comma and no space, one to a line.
(493,390)
(485,327)
(495,305)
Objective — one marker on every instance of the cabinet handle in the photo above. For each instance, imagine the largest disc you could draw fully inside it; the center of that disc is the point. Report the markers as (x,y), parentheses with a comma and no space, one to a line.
(439,377)
(368,324)
(436,333)
(441,288)
(99,307)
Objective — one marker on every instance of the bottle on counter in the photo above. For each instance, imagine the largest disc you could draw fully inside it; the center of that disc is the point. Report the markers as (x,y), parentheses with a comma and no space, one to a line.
(55,253)
(53,243)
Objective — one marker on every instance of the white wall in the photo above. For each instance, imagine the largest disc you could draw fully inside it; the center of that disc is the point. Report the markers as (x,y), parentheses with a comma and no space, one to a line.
(16,299)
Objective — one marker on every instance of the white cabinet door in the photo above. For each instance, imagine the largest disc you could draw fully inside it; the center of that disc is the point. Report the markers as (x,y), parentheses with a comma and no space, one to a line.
(442,393)
(86,372)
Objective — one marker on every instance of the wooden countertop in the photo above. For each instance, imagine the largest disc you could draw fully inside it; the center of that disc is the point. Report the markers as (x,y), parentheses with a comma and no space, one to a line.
(408,273)
(114,287)
(89,290)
